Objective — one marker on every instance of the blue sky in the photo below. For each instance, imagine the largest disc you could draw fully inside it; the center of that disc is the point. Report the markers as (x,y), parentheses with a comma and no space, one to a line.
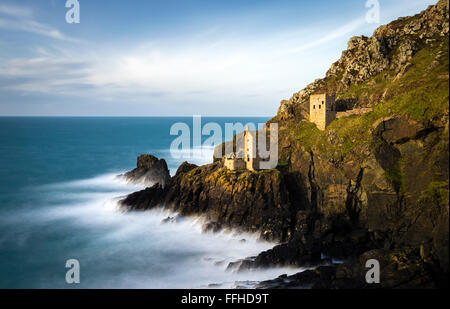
(180,58)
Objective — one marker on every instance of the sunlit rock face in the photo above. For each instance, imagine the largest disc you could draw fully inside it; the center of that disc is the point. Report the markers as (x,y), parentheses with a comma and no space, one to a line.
(390,48)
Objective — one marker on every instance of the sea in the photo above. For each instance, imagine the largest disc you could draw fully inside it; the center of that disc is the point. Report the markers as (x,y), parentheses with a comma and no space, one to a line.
(58,202)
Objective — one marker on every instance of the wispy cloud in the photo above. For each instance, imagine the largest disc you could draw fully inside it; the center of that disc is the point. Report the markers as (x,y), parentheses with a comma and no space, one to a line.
(43,74)
(247,72)
(21,19)
(344,30)
(211,67)
(215,74)
(15,11)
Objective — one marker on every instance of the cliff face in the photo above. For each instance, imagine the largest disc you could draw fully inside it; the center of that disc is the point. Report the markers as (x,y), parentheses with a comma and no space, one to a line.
(389,51)
(384,173)
(230,199)
(369,186)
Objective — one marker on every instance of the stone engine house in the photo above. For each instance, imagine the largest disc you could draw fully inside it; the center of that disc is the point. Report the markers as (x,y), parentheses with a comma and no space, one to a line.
(322,109)
(250,160)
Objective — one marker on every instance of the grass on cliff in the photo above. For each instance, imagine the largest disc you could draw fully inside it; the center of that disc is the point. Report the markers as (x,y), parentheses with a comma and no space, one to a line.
(395,176)
(238,181)
(437,193)
(375,85)
(421,94)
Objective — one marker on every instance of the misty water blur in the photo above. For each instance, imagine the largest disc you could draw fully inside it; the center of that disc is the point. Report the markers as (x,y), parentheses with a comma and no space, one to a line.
(58,201)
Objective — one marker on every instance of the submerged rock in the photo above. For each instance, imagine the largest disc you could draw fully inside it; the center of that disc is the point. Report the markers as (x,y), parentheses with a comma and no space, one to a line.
(211,227)
(169,219)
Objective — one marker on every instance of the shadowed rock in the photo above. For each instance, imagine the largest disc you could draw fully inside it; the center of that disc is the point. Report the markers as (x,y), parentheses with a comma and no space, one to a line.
(149,169)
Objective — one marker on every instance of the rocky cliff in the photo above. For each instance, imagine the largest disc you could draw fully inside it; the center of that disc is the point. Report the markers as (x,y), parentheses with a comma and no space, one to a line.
(241,200)
(378,182)
(149,169)
(381,58)
(370,186)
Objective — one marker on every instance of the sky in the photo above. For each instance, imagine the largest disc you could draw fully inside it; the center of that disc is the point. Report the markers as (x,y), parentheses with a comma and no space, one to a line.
(173,58)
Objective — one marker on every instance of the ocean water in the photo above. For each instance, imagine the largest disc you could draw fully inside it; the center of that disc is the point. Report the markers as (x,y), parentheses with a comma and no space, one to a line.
(58,194)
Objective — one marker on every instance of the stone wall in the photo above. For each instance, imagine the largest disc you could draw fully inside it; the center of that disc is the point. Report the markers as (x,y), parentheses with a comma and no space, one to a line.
(322,110)
(356,111)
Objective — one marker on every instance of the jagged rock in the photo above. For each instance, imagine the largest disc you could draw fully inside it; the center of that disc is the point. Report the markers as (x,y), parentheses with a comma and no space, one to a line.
(184,168)
(399,269)
(211,227)
(244,200)
(149,169)
(390,47)
(146,199)
(169,220)
(403,71)
(174,219)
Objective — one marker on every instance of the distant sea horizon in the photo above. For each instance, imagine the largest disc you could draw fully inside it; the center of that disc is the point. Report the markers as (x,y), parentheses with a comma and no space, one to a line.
(121,116)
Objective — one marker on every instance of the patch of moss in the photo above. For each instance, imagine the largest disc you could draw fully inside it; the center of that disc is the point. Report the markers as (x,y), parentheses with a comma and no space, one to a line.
(437,193)
(375,85)
(282,164)
(395,176)
(308,135)
(421,94)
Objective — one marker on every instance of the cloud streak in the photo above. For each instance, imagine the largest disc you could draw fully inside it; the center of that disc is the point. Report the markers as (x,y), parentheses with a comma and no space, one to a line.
(21,19)
(15,11)
(198,72)
(211,68)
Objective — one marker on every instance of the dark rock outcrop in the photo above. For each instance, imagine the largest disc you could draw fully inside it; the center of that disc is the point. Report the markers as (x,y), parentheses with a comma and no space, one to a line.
(400,269)
(149,169)
(244,200)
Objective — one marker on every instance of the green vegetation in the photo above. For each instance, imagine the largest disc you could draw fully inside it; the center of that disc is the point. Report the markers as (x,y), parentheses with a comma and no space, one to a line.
(422,94)
(282,164)
(437,193)
(340,137)
(375,85)
(309,135)
(395,176)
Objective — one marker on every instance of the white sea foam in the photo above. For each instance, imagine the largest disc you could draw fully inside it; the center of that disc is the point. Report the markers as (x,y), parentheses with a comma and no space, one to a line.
(119,249)
(106,181)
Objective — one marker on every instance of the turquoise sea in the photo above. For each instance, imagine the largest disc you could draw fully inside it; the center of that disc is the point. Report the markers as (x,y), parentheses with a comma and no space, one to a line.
(58,194)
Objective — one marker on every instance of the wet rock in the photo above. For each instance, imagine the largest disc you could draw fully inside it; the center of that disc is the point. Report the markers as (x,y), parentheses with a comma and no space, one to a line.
(168,220)
(174,219)
(211,227)
(244,200)
(150,170)
(241,265)
(215,285)
(219,263)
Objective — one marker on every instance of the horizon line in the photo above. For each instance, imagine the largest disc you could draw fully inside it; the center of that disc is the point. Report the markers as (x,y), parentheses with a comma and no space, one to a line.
(125,116)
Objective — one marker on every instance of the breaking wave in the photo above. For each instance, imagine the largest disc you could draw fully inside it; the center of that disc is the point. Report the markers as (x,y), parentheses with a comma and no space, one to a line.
(116,249)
